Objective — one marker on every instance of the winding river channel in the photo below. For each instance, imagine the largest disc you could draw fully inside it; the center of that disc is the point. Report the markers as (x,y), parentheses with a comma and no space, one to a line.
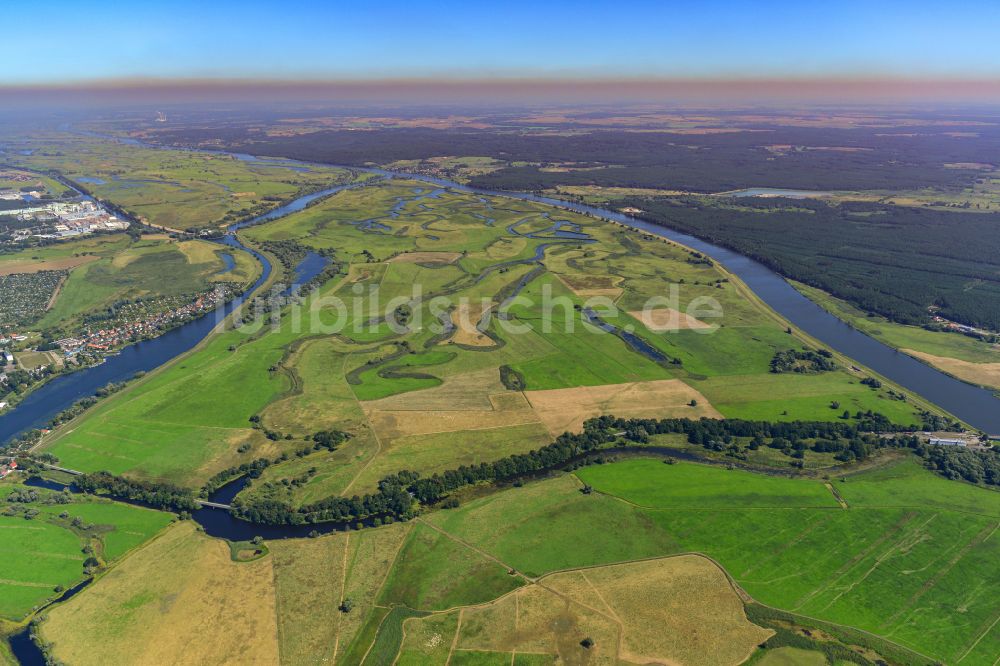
(977,406)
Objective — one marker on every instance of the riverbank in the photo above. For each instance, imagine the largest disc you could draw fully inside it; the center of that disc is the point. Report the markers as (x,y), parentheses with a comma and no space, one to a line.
(966,358)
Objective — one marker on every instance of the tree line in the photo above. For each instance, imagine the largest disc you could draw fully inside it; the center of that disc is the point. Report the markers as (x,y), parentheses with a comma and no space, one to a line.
(157,494)
(399,495)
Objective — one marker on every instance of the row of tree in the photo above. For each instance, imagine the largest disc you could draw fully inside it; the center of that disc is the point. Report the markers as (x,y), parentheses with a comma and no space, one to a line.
(397,495)
(159,495)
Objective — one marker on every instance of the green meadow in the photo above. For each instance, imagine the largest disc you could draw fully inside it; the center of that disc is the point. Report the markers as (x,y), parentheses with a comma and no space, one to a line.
(177,189)
(908,558)
(435,572)
(330,366)
(44,554)
(895,562)
(654,485)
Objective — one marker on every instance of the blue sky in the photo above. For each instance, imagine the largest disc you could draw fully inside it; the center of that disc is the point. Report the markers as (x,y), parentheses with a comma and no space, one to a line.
(50,41)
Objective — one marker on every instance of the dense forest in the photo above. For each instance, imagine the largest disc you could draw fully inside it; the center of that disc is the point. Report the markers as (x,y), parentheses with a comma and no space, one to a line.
(874,159)
(893,260)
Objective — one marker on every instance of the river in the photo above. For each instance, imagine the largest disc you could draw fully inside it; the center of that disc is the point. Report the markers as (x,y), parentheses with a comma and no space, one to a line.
(974,405)
(38,408)
(977,406)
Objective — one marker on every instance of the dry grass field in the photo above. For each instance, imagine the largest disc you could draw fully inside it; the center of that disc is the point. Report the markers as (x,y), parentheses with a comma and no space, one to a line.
(477,401)
(426,258)
(309,584)
(313,577)
(594,285)
(465,391)
(466,318)
(397,424)
(182,600)
(54,264)
(669,319)
(564,410)
(466,402)
(681,609)
(179,600)
(985,374)
(670,611)
(535,620)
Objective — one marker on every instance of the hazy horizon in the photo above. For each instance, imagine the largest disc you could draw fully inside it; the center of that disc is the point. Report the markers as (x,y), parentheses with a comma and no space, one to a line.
(506,92)
(638,49)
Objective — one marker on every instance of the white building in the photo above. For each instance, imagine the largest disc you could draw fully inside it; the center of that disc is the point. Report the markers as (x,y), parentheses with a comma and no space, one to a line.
(947,442)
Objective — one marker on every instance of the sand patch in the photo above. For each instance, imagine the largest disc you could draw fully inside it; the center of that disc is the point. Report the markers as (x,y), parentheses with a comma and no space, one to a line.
(668,319)
(465,318)
(566,409)
(985,374)
(426,258)
(59,264)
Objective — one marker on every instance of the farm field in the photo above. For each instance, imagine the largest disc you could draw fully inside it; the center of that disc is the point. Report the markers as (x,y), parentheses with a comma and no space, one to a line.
(271,610)
(893,550)
(45,552)
(177,190)
(181,598)
(969,359)
(909,570)
(526,574)
(419,396)
(673,610)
